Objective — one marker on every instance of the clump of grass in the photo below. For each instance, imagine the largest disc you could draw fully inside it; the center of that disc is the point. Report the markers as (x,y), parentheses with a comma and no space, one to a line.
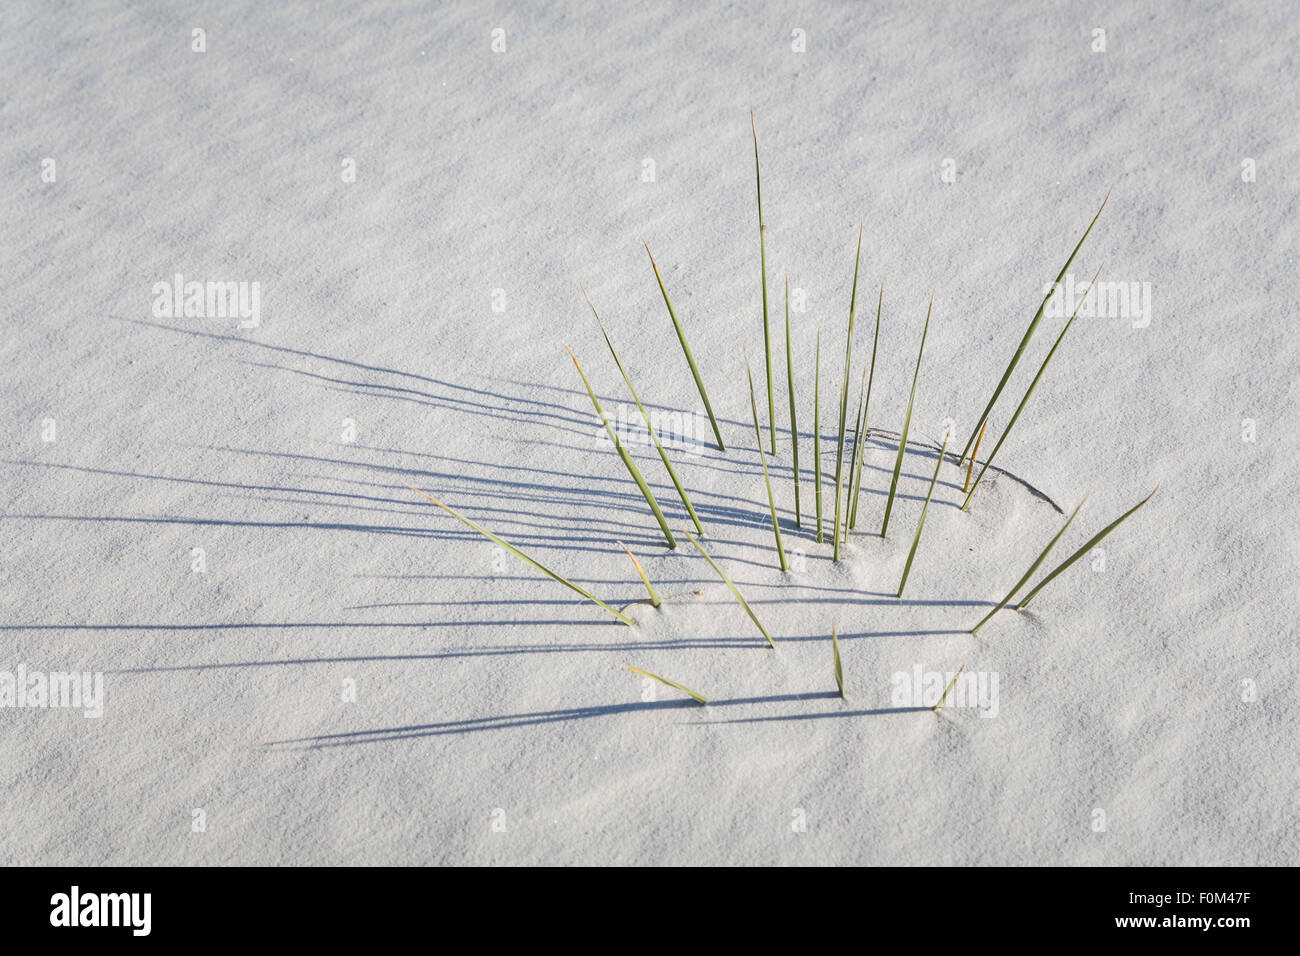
(970,466)
(655,600)
(670,683)
(907,424)
(844,400)
(948,690)
(817,432)
(866,411)
(839,670)
(1024,401)
(663,455)
(735,591)
(686,350)
(1092,543)
(1032,568)
(916,539)
(1029,334)
(758,434)
(794,425)
(523,557)
(762,260)
(633,470)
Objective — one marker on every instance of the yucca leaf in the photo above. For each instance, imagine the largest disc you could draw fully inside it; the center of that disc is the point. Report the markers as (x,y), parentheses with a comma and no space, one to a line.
(681,492)
(907,424)
(1029,333)
(633,470)
(916,539)
(844,399)
(686,350)
(735,591)
(1024,401)
(523,557)
(758,435)
(670,683)
(1032,568)
(1092,543)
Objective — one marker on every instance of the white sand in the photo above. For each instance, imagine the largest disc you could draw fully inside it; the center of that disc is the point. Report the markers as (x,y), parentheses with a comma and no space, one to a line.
(482,686)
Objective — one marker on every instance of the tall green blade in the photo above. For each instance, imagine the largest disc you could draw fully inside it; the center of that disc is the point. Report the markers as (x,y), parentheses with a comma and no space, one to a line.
(916,539)
(1029,391)
(1032,568)
(758,435)
(817,432)
(663,455)
(633,470)
(853,455)
(686,350)
(762,259)
(523,557)
(794,424)
(735,591)
(907,425)
(1092,543)
(866,411)
(844,400)
(1029,333)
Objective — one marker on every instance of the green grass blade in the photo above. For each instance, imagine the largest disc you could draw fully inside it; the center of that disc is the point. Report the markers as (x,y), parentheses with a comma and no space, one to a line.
(916,539)
(654,598)
(762,259)
(866,411)
(844,400)
(686,350)
(670,683)
(817,432)
(633,470)
(907,424)
(839,670)
(1030,573)
(948,690)
(758,435)
(663,455)
(853,455)
(1029,333)
(1029,391)
(794,424)
(735,591)
(1092,543)
(523,557)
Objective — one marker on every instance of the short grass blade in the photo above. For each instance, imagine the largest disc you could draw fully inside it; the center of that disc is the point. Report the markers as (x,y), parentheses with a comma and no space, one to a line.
(735,591)
(948,690)
(762,260)
(633,470)
(974,456)
(1029,334)
(907,424)
(817,432)
(670,683)
(523,557)
(663,455)
(654,598)
(686,350)
(1024,401)
(844,400)
(794,424)
(758,434)
(916,539)
(839,670)
(866,412)
(1030,573)
(1092,543)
